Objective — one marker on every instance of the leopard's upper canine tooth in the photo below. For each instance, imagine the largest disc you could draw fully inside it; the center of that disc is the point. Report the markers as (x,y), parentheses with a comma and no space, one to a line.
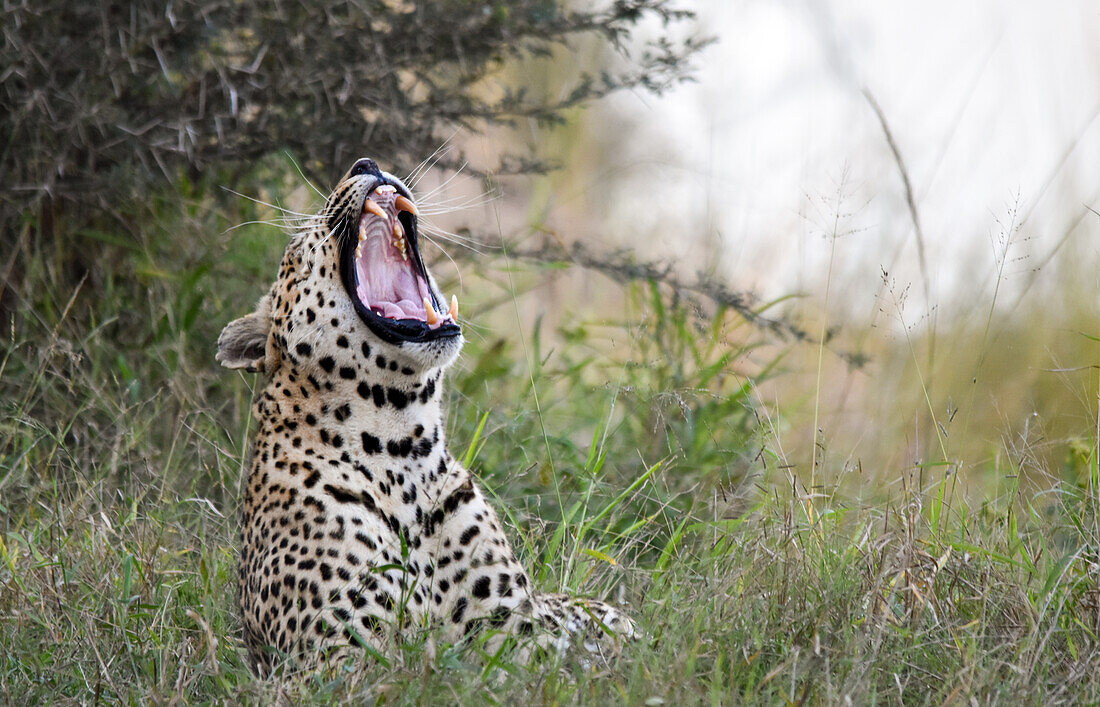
(404,204)
(433,318)
(453,311)
(372,206)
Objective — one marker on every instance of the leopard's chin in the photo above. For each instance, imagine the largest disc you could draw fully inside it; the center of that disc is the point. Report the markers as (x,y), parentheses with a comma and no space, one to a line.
(385,276)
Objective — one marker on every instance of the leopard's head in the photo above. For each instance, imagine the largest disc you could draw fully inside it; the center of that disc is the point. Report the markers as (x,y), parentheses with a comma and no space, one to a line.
(352,280)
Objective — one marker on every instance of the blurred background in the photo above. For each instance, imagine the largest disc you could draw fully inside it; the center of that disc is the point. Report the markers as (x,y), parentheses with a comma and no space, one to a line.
(992,106)
(921,181)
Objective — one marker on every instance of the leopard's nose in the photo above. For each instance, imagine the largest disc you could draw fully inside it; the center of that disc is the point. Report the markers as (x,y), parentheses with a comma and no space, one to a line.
(367,166)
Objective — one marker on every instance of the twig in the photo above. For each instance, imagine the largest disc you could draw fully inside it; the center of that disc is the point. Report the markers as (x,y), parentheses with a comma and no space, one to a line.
(915,218)
(909,200)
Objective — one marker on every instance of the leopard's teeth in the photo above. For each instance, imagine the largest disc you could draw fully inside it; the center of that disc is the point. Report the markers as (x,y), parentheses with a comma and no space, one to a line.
(372,206)
(404,204)
(385,189)
(453,311)
(362,233)
(399,240)
(433,318)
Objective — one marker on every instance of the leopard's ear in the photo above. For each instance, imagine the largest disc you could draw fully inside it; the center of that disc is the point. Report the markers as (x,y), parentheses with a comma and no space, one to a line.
(243,342)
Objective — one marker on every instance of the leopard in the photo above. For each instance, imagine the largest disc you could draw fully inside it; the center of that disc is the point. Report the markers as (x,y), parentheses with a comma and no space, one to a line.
(357,522)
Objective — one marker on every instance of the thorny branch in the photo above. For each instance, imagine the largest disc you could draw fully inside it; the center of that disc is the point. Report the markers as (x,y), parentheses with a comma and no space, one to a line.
(621,266)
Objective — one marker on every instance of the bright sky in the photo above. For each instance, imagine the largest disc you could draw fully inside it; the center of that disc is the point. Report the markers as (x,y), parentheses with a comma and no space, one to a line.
(994,105)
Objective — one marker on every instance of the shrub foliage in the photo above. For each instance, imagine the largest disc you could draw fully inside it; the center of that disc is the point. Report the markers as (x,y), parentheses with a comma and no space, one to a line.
(96,95)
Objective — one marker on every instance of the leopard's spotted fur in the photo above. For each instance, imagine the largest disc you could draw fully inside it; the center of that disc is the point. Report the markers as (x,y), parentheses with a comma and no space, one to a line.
(355,515)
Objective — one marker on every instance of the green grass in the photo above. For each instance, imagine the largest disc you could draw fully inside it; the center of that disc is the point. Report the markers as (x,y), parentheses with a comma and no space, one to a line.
(649,472)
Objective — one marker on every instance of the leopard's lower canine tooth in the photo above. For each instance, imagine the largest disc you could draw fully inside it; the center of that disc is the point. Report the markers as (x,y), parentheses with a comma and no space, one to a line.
(404,204)
(372,206)
(453,311)
(433,318)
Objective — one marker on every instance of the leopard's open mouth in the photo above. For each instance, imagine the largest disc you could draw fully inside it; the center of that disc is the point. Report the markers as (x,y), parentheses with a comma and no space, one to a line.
(385,275)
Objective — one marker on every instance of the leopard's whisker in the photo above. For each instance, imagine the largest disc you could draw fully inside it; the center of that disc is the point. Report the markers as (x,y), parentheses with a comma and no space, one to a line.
(429,162)
(270,205)
(432,232)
